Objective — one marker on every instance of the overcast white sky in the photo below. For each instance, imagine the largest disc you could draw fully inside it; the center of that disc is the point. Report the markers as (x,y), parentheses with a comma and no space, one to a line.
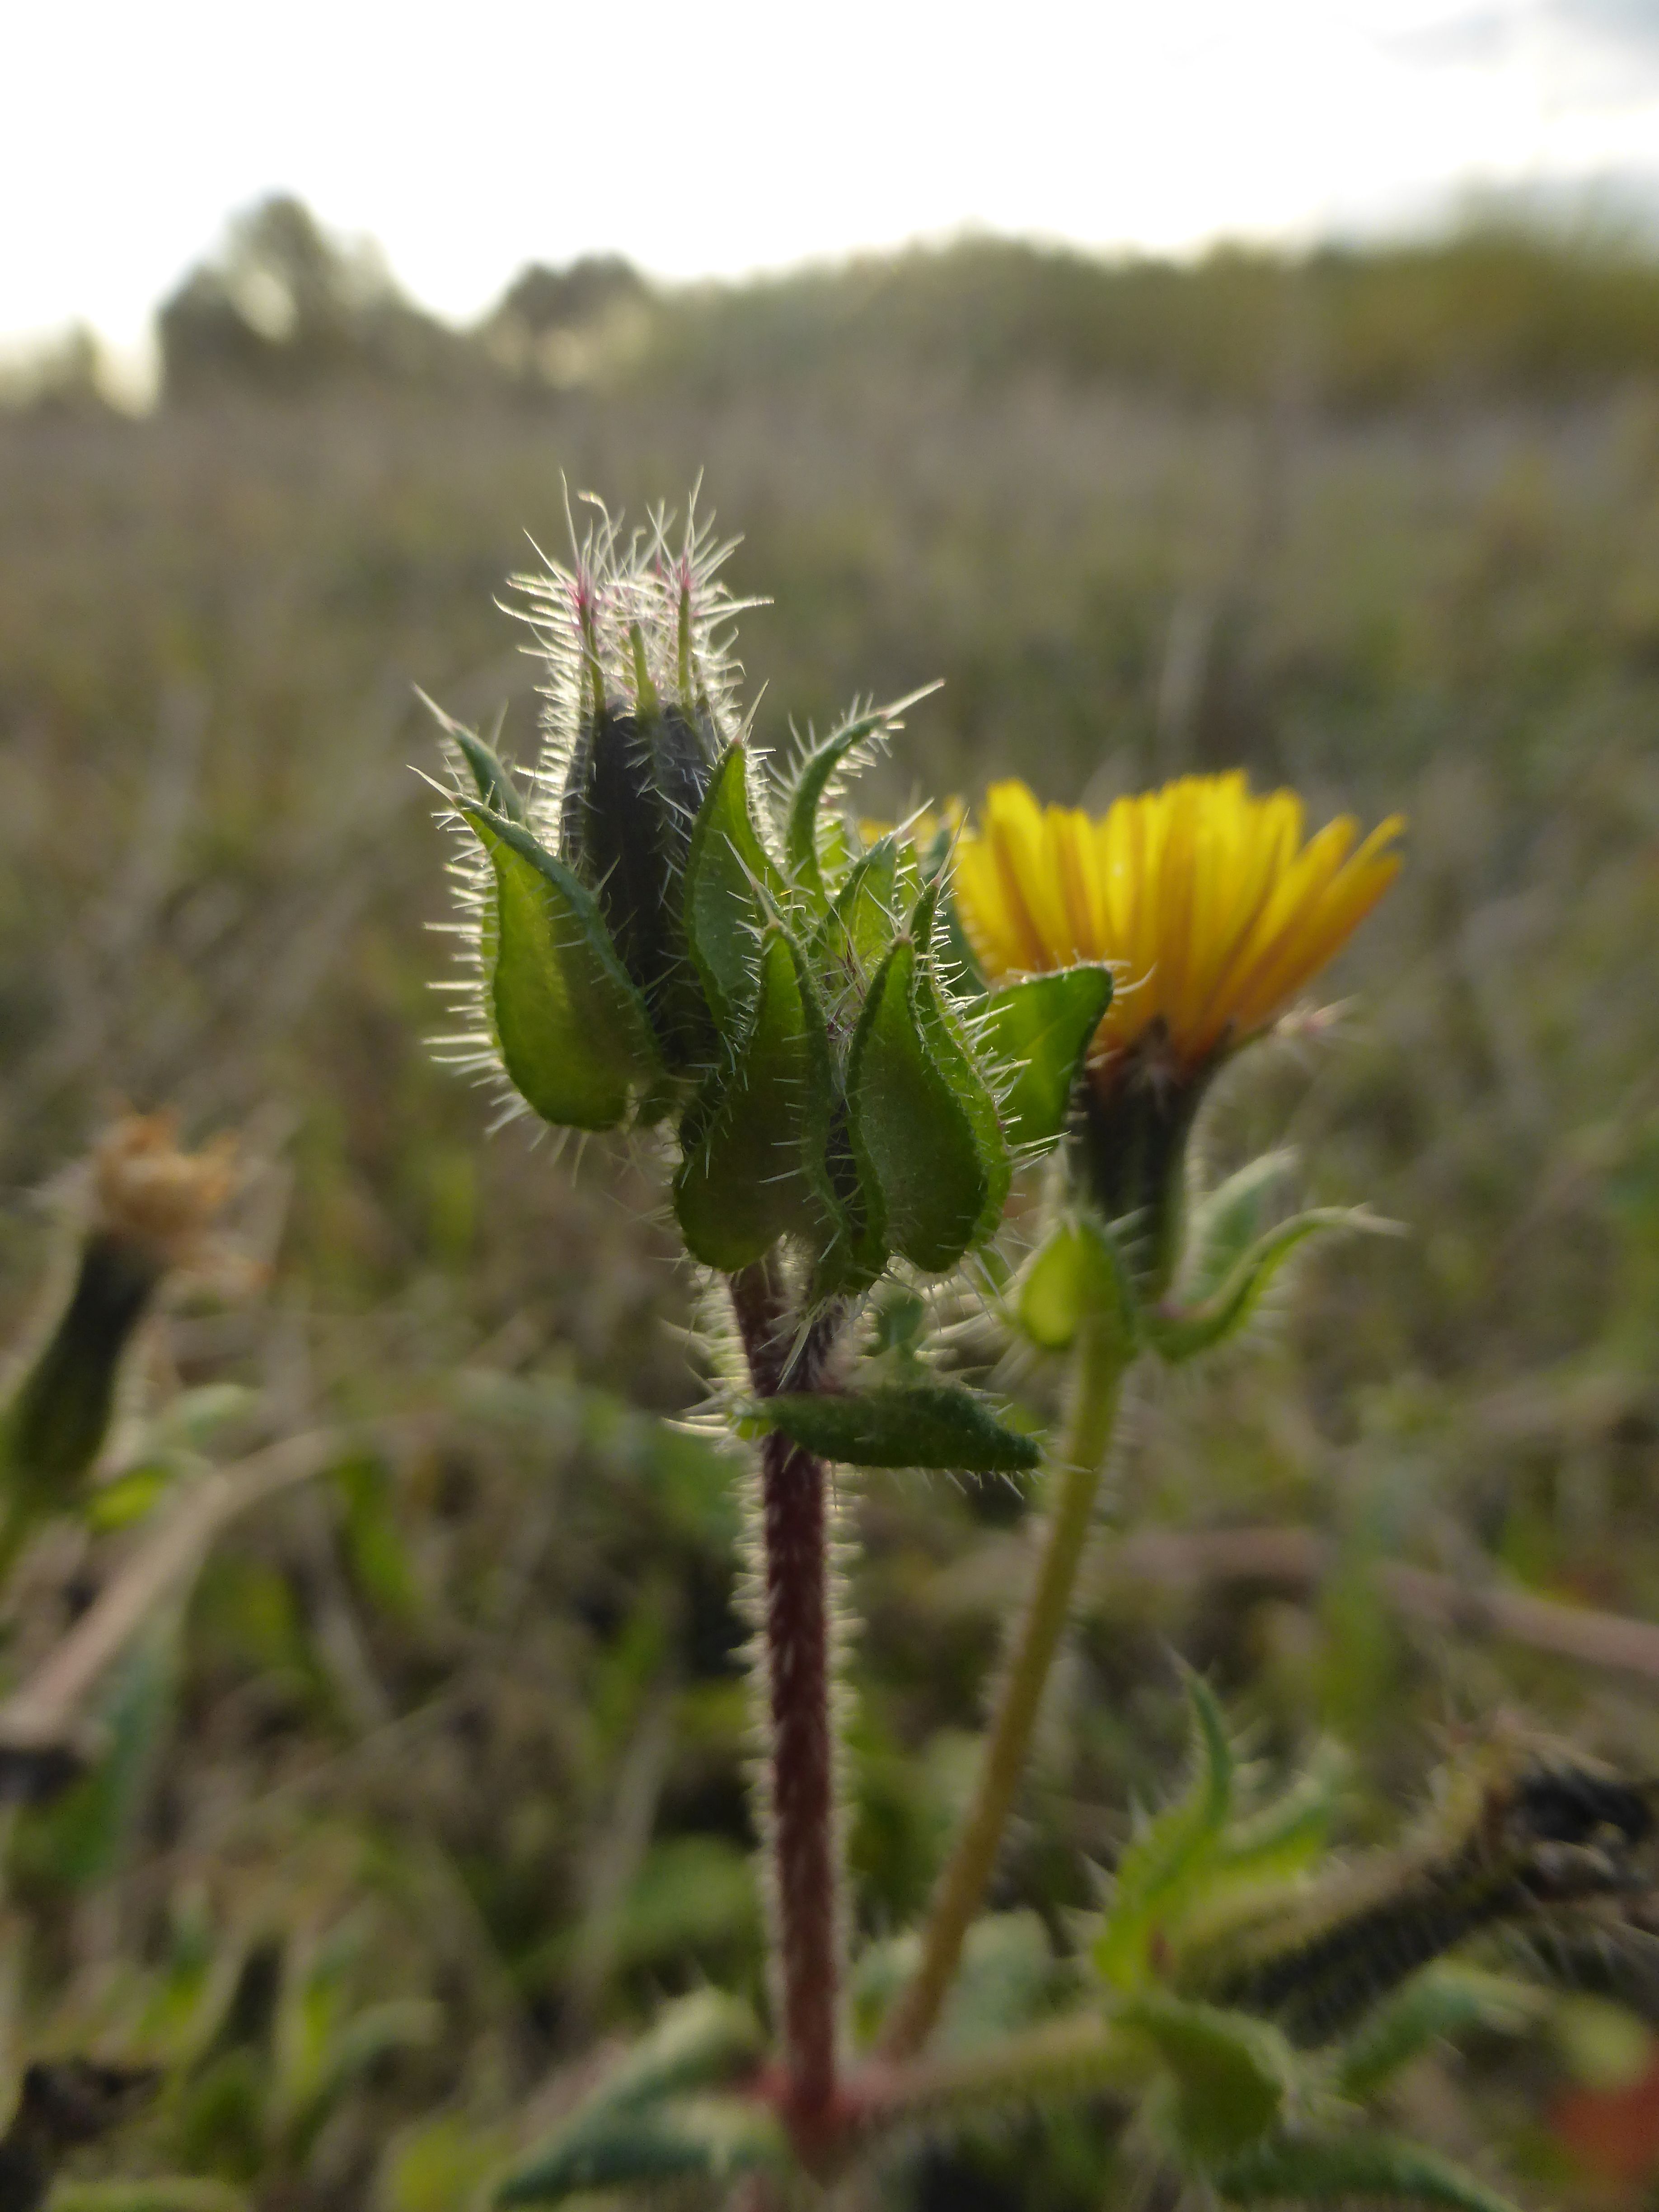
(715,139)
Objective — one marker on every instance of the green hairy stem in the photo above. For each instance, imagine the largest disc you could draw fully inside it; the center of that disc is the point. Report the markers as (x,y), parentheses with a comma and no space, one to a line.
(1100,1369)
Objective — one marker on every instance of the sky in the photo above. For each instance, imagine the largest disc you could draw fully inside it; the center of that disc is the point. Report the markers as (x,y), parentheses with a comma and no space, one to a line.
(718,139)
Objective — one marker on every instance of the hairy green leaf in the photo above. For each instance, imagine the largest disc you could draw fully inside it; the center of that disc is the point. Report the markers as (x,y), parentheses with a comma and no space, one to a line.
(1041,1028)
(1228,2075)
(939,1032)
(925,1425)
(813,780)
(754,1137)
(731,879)
(496,789)
(1158,1871)
(929,1150)
(854,936)
(1226,1221)
(1182,1331)
(494,786)
(1076,1273)
(1320,2169)
(1290,1830)
(573,1033)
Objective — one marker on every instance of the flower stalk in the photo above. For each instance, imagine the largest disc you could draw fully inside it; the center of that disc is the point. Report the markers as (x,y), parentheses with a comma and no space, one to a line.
(1101,1362)
(797,1638)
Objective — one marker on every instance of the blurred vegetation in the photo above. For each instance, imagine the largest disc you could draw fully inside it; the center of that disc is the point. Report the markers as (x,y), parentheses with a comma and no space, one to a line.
(440,1781)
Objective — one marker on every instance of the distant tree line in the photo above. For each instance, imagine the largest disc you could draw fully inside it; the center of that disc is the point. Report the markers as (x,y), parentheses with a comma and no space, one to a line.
(1501,307)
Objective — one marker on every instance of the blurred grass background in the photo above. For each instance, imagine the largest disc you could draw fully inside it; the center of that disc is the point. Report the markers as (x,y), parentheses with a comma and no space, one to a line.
(466,1728)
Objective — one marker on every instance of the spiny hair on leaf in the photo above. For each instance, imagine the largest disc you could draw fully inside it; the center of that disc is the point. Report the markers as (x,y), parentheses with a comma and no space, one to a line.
(853,745)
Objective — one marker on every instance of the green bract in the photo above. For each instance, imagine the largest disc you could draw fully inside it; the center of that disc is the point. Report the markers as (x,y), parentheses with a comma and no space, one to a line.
(668,932)
(914,1424)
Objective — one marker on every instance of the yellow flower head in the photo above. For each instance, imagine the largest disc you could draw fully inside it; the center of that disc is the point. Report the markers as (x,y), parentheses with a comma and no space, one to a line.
(1203,898)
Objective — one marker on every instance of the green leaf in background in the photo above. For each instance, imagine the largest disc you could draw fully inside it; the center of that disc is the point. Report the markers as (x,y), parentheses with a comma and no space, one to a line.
(573,1033)
(1159,1868)
(694,1896)
(1006,1979)
(1445,2000)
(687,2139)
(1322,2169)
(434,2164)
(191,1421)
(1078,1272)
(645,2121)
(697,2042)
(81,1839)
(129,1497)
(1042,1027)
(1226,1221)
(744,1180)
(337,2049)
(1228,2075)
(370,1539)
(933,1425)
(730,877)
(1182,1331)
(162,2193)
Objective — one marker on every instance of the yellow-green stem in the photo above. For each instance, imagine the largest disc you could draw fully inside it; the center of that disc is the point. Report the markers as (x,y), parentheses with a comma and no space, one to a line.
(1100,1367)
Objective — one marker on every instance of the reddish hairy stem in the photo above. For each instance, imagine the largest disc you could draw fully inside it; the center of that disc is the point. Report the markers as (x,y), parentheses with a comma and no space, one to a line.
(796,1529)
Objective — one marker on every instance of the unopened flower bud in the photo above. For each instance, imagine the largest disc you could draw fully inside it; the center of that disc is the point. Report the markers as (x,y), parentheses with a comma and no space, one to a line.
(152,1208)
(635,783)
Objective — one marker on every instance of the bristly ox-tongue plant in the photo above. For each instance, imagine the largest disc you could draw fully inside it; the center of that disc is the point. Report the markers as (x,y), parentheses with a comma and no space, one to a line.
(842,1045)
(672,936)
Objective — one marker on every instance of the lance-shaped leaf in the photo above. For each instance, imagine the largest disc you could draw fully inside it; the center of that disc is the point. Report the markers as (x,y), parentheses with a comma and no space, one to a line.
(1228,2075)
(1227,1220)
(1445,2000)
(730,880)
(1158,1870)
(1077,1273)
(925,1425)
(930,1152)
(1181,1332)
(813,780)
(1283,1837)
(648,2120)
(697,2042)
(1309,2169)
(682,2139)
(940,1032)
(754,1137)
(494,786)
(1041,1028)
(572,1029)
(854,936)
